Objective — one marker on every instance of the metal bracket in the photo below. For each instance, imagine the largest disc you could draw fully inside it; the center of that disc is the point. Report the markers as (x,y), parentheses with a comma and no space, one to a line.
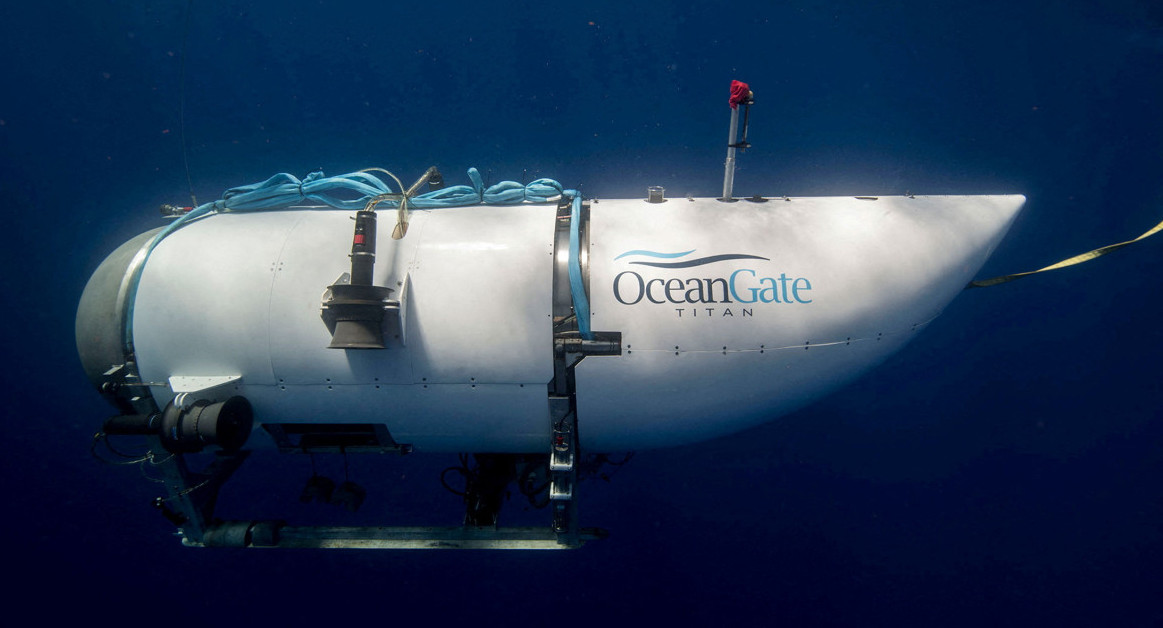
(359,309)
(193,494)
(121,385)
(188,389)
(194,384)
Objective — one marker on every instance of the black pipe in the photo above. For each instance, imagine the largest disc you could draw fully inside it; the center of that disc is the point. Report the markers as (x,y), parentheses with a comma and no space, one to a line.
(226,424)
(363,248)
(132,425)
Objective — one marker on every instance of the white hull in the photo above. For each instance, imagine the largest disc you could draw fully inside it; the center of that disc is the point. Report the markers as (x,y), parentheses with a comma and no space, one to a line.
(813,292)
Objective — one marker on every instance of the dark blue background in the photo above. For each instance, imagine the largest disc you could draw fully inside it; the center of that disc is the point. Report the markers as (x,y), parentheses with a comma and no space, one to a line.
(1003,469)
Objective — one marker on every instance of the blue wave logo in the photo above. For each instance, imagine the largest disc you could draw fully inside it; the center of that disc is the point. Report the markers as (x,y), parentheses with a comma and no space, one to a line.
(700,261)
(742,286)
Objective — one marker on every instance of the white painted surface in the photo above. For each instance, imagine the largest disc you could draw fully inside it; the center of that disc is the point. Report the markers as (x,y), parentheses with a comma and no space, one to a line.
(878,270)
(239,294)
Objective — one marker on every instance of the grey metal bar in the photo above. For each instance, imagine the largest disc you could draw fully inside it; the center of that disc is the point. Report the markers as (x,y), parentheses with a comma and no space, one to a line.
(420,537)
(729,166)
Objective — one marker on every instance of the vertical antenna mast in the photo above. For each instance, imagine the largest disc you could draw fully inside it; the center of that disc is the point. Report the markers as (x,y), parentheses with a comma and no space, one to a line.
(741,94)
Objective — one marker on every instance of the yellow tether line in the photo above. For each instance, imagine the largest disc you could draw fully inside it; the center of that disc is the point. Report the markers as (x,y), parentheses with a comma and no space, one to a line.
(1077,259)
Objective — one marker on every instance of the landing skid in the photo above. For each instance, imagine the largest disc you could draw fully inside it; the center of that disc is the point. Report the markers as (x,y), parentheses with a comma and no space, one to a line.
(193,495)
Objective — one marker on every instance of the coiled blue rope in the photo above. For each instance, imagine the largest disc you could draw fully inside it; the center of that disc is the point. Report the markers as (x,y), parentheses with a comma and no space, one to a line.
(503,193)
(285,190)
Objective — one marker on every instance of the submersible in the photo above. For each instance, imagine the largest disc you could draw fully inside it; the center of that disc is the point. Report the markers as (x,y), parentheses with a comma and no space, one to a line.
(518,322)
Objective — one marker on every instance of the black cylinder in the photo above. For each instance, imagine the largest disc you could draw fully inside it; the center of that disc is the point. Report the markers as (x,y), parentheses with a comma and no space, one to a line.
(132,425)
(226,424)
(363,248)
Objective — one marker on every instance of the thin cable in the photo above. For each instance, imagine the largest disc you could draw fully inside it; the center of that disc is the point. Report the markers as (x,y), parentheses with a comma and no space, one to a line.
(401,227)
(129,459)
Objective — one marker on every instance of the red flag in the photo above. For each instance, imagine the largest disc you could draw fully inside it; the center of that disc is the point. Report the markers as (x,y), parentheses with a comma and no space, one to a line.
(740,93)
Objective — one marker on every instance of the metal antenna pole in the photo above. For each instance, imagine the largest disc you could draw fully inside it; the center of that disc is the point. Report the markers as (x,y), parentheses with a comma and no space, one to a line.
(729,167)
(741,94)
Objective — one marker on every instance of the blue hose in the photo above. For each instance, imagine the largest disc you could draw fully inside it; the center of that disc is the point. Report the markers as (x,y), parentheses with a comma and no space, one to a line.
(285,190)
(577,289)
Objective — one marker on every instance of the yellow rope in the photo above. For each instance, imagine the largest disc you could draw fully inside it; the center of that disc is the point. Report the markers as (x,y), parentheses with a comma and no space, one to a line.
(1077,259)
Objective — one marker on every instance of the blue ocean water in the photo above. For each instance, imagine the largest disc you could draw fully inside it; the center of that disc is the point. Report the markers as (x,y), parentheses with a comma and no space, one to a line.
(1004,468)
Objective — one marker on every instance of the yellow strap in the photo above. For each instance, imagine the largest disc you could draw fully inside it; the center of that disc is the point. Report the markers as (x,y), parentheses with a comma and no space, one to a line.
(1077,259)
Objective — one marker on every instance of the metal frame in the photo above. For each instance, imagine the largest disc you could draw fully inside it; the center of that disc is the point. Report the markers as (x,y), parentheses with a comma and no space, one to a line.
(192,495)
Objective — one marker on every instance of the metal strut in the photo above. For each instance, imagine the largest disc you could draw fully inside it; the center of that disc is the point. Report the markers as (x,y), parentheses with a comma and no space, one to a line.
(572,342)
(562,397)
